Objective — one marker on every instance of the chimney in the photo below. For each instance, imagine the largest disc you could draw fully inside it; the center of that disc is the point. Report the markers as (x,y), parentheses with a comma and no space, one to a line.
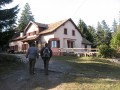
(21,34)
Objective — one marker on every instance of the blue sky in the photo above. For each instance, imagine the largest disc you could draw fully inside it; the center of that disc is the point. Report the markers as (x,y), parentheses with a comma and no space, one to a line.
(90,11)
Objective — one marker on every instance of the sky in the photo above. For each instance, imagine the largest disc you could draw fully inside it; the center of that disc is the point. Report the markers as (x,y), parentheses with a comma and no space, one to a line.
(90,11)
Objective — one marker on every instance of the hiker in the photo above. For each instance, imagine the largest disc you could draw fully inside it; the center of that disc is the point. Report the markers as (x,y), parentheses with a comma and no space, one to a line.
(46,54)
(32,55)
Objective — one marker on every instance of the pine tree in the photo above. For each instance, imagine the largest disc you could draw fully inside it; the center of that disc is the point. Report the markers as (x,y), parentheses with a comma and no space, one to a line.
(107,33)
(92,34)
(7,16)
(26,16)
(114,26)
(115,41)
(99,38)
(83,28)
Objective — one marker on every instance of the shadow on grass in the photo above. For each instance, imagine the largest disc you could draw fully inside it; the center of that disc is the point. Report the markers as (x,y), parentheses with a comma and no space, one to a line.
(82,71)
(8,63)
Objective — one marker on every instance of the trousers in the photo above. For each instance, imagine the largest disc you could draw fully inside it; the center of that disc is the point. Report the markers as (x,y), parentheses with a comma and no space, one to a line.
(46,65)
(31,65)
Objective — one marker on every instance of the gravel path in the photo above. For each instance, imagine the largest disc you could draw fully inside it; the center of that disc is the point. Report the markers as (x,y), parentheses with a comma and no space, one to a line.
(21,80)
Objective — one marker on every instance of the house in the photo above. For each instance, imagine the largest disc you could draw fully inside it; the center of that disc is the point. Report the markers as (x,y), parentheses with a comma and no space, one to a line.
(61,34)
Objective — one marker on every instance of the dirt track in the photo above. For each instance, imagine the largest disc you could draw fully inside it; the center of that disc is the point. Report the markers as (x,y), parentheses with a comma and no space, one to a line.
(21,80)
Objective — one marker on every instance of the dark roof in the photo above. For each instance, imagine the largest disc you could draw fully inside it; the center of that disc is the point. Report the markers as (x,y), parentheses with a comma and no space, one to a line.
(85,41)
(42,25)
(17,37)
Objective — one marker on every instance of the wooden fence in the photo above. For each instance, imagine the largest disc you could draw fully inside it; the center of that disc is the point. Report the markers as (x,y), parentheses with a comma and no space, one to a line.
(79,51)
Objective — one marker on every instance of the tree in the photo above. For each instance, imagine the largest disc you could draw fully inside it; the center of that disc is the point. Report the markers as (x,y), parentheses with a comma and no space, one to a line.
(84,30)
(103,34)
(7,16)
(114,26)
(99,38)
(115,41)
(92,34)
(26,16)
(83,27)
(5,37)
(107,32)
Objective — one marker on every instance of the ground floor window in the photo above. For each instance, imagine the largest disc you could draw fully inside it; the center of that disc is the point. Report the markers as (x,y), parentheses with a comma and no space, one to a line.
(16,47)
(12,47)
(24,46)
(70,44)
(54,43)
(85,47)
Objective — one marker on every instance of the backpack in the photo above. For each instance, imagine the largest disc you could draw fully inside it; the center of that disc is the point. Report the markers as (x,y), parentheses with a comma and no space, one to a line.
(46,52)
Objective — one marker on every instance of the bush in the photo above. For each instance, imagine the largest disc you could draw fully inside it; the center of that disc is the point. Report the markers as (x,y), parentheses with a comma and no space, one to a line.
(106,51)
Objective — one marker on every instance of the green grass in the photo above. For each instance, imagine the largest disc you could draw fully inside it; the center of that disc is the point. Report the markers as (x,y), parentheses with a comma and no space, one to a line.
(8,63)
(91,74)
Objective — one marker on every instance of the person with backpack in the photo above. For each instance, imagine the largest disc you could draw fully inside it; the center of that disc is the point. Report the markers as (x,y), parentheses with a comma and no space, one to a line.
(46,54)
(32,54)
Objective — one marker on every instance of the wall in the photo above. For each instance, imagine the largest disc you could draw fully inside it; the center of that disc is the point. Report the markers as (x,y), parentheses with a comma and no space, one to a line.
(45,38)
(63,38)
(32,28)
(19,43)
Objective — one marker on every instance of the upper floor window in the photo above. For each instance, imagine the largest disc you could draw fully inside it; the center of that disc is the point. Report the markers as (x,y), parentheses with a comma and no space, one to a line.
(65,30)
(35,32)
(28,34)
(73,32)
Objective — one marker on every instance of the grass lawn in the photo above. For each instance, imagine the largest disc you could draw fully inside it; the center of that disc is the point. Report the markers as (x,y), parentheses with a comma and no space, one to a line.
(90,74)
(8,63)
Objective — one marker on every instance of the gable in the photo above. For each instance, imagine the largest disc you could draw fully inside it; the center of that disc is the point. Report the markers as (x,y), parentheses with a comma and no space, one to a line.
(55,26)
(32,27)
(69,26)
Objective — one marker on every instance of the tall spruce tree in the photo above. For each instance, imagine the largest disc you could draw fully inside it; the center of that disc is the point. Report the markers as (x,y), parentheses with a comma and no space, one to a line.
(107,32)
(83,27)
(92,34)
(84,30)
(7,16)
(26,16)
(114,26)
(115,41)
(99,35)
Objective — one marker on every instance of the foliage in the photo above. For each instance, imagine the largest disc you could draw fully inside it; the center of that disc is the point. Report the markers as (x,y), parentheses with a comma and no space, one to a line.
(92,34)
(105,51)
(7,16)
(5,37)
(103,34)
(87,32)
(114,26)
(26,16)
(115,41)
(8,63)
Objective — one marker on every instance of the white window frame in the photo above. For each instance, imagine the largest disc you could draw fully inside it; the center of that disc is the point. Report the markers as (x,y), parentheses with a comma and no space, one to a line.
(54,44)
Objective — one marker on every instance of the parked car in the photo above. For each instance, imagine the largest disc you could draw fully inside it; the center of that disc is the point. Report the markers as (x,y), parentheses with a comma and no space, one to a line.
(11,51)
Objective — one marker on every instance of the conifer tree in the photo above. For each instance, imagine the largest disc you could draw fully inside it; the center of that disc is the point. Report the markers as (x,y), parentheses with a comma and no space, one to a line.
(26,16)
(7,16)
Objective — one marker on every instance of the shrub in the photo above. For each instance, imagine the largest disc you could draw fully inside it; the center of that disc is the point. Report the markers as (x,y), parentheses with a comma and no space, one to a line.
(106,51)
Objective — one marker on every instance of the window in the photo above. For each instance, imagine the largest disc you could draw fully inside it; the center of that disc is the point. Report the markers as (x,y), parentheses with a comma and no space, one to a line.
(85,47)
(70,44)
(54,44)
(28,34)
(65,30)
(73,32)
(35,32)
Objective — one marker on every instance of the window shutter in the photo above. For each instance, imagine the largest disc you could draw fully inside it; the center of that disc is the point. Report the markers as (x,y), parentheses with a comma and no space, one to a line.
(58,44)
(49,43)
